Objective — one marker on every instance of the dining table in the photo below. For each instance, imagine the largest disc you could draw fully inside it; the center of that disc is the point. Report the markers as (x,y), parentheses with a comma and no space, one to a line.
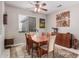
(40,40)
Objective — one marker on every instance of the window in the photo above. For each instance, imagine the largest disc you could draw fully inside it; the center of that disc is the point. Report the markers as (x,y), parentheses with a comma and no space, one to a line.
(27,24)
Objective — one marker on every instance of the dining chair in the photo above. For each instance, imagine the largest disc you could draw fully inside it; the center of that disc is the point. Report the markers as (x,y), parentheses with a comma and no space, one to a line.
(35,37)
(28,43)
(30,46)
(50,46)
(49,34)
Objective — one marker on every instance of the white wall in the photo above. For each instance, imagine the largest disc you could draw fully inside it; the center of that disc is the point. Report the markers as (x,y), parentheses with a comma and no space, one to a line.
(74,21)
(12,26)
(1,28)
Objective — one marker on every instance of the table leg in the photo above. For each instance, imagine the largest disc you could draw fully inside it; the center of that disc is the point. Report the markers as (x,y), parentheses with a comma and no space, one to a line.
(32,50)
(39,54)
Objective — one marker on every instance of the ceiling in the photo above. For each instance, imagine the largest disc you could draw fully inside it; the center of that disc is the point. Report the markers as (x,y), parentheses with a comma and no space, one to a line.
(51,5)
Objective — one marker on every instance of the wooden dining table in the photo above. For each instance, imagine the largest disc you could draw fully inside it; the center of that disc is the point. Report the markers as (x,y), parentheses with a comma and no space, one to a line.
(41,40)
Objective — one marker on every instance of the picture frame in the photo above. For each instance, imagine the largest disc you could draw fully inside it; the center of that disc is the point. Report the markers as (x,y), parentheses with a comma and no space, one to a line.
(42,23)
(4,18)
(63,19)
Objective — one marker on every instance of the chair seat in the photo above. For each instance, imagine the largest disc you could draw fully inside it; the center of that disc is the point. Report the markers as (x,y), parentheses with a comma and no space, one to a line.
(44,47)
(34,45)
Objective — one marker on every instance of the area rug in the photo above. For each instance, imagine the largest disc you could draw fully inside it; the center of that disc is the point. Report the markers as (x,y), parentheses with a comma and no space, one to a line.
(21,52)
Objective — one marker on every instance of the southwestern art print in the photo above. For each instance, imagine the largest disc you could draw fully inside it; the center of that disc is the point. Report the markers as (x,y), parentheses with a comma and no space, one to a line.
(63,19)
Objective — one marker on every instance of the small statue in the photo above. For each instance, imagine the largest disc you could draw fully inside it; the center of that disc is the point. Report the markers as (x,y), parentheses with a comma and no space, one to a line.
(75,43)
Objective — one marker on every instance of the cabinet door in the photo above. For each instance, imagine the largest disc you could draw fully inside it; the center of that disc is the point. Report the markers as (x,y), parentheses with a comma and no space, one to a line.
(59,39)
(68,40)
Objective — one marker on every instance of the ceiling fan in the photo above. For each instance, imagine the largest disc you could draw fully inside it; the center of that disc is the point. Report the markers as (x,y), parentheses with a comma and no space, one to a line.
(39,6)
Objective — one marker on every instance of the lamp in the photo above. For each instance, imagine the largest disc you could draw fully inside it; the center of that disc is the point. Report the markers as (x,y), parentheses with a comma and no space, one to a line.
(37,9)
(55,29)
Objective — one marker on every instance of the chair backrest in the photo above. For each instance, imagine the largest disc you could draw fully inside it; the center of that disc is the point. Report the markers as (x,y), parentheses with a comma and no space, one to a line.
(28,41)
(26,36)
(48,34)
(51,43)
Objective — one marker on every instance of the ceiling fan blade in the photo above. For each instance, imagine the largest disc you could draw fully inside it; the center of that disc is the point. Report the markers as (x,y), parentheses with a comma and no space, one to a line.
(43,4)
(44,9)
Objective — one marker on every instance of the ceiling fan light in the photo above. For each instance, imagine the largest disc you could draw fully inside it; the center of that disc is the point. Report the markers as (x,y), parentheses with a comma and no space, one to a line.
(44,4)
(40,6)
(35,9)
(39,10)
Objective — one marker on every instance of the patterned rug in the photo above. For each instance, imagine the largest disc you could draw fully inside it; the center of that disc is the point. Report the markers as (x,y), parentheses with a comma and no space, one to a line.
(21,52)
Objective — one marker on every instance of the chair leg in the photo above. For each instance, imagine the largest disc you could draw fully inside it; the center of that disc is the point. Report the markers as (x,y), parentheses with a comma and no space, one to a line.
(32,49)
(40,53)
(47,55)
(28,50)
(53,53)
(32,52)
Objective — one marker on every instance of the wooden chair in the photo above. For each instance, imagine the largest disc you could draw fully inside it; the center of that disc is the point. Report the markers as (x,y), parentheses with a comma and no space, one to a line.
(28,43)
(50,46)
(30,46)
(35,45)
(49,34)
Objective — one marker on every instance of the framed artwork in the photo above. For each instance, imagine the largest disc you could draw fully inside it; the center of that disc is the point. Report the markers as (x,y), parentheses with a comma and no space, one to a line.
(27,23)
(42,23)
(63,19)
(4,18)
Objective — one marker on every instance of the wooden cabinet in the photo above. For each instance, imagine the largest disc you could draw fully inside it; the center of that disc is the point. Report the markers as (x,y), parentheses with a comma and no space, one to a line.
(8,42)
(64,39)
